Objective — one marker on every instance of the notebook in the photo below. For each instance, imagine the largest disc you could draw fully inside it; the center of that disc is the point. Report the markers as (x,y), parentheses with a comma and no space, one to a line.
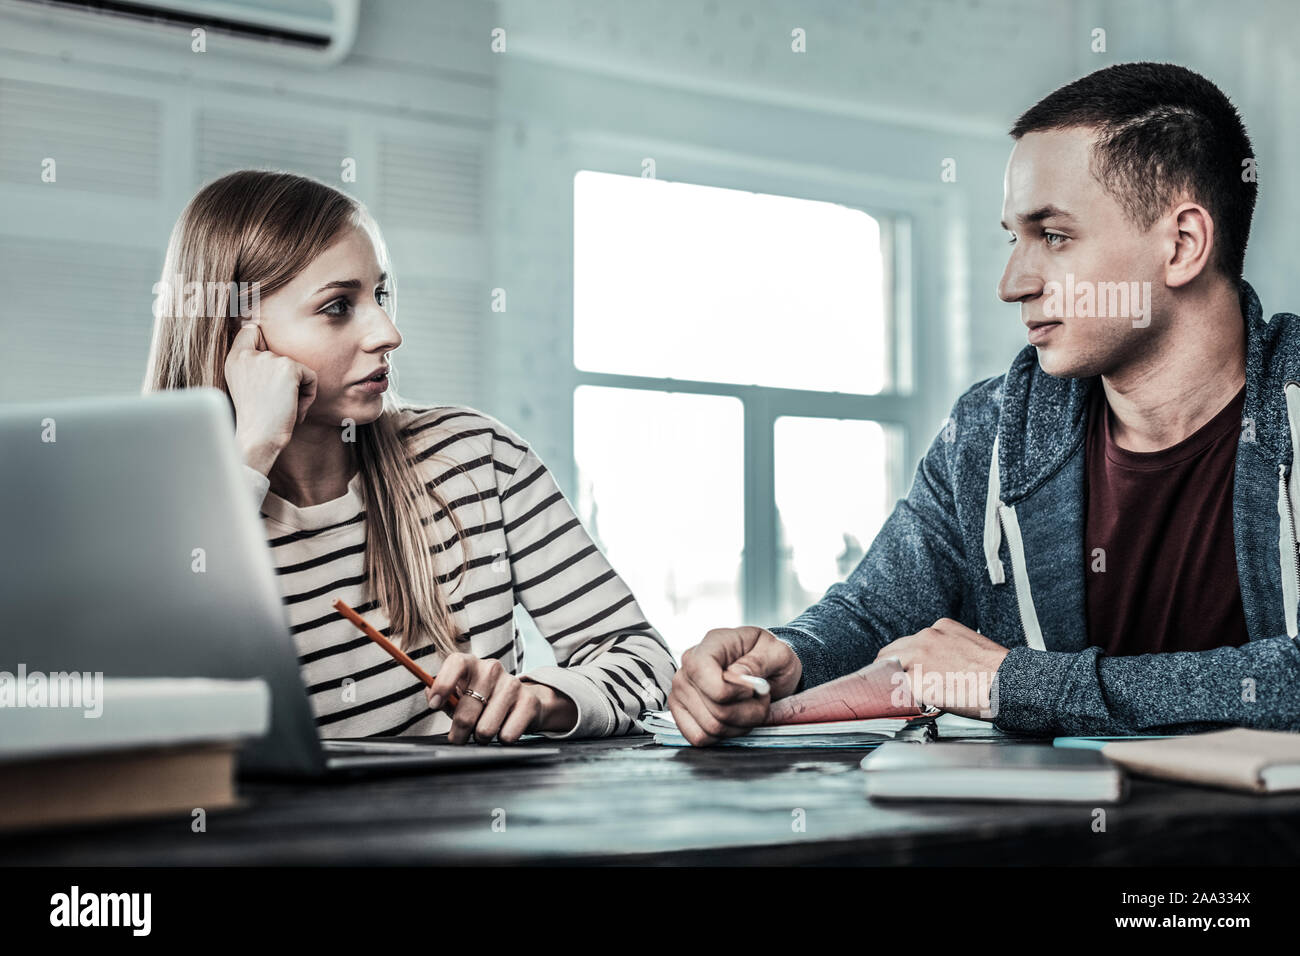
(1097,743)
(955,727)
(862,709)
(992,771)
(1258,761)
(856,734)
(121,713)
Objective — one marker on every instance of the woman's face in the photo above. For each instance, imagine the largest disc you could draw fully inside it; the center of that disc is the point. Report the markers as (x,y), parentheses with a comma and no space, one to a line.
(332,319)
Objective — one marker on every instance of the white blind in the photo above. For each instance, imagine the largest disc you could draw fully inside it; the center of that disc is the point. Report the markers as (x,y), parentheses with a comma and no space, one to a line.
(100,142)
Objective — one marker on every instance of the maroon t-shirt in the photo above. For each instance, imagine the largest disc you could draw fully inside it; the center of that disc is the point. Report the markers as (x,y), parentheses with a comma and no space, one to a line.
(1164,522)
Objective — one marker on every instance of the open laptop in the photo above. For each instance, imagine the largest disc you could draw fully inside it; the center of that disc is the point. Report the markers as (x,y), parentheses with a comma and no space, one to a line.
(102,523)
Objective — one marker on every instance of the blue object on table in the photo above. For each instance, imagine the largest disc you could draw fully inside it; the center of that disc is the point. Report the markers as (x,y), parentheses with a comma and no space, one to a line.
(1096,743)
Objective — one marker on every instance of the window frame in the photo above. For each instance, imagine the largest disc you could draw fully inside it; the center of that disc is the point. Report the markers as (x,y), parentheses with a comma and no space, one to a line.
(908,213)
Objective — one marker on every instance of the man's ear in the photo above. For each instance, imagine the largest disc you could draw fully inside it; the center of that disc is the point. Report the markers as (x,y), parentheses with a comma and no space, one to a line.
(1192,233)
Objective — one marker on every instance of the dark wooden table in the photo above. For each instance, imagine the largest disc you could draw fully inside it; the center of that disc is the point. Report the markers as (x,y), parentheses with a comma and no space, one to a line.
(630,801)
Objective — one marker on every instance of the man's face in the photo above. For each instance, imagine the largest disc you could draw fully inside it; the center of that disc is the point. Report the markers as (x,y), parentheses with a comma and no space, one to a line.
(1069,231)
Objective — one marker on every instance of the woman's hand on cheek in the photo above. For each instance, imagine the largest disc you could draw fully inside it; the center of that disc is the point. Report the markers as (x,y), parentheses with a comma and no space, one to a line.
(271,394)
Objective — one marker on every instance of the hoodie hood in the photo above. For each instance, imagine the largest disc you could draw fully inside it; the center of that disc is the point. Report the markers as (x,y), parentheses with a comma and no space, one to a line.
(1037,409)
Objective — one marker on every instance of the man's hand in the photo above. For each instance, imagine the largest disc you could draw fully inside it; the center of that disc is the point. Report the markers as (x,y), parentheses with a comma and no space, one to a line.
(708,708)
(950,667)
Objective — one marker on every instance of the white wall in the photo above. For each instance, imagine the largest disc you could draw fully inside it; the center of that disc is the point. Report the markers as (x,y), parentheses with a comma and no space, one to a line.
(136,124)
(1249,50)
(713,92)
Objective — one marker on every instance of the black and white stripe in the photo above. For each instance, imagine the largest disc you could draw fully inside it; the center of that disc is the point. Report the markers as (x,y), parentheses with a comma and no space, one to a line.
(524,544)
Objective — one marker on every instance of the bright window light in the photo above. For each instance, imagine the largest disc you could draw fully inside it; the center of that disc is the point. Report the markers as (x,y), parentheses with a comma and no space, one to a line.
(674,280)
(660,487)
(832,496)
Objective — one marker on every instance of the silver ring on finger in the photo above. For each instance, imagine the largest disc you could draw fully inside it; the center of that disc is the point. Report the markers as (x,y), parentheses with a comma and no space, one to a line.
(476,695)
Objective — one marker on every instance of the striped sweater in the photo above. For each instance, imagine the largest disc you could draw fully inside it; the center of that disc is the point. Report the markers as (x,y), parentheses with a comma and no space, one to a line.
(524,544)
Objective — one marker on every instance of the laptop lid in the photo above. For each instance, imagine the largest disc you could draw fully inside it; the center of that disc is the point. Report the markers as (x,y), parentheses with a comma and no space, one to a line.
(136,551)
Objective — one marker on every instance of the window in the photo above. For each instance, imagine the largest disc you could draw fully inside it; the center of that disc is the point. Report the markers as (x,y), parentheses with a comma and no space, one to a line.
(674,280)
(661,491)
(832,496)
(738,432)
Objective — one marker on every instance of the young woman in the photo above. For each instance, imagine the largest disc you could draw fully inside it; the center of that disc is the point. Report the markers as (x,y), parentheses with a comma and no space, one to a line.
(430,521)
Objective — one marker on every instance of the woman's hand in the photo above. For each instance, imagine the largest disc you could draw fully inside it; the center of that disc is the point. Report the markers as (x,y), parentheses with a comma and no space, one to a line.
(271,394)
(514,707)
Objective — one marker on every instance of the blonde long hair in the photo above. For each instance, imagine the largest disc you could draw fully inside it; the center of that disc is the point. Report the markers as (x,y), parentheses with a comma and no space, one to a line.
(264,227)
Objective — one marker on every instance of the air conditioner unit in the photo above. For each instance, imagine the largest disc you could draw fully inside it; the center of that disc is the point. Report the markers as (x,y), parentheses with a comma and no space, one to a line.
(316,32)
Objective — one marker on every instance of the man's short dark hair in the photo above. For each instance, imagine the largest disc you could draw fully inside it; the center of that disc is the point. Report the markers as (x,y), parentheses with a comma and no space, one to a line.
(1164,133)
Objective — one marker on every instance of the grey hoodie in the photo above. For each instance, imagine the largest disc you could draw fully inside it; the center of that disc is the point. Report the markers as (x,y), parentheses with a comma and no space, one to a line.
(991,535)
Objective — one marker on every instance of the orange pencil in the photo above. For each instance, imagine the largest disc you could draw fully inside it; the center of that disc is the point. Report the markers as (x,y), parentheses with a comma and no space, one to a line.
(453,698)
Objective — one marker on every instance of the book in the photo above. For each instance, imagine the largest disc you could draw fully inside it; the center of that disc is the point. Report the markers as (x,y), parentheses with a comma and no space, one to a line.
(857,734)
(975,770)
(122,713)
(1097,743)
(127,748)
(1257,761)
(862,709)
(118,785)
(955,727)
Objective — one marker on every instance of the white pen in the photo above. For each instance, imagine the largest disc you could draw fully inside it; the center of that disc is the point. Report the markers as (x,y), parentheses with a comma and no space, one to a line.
(759,685)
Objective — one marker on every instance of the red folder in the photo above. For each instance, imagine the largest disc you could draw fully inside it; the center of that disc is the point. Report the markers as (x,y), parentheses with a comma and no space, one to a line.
(881,689)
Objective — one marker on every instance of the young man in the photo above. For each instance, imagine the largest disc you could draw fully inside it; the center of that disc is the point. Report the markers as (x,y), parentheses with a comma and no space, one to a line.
(1101,540)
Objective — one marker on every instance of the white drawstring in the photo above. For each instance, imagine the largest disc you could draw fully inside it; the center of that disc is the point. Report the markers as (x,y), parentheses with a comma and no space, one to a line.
(1020,577)
(996,513)
(1288,493)
(992,530)
(1286,552)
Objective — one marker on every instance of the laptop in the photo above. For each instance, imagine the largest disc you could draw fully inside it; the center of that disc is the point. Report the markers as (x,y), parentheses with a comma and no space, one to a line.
(105,501)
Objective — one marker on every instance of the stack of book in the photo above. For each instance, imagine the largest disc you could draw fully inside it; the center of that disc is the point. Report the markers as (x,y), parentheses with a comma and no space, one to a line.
(148,746)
